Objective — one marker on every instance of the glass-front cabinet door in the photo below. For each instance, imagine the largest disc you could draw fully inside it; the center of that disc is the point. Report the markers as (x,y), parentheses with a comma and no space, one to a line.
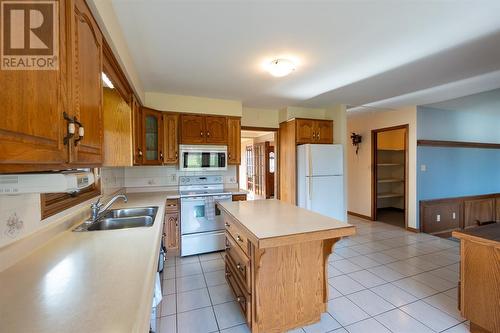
(152,142)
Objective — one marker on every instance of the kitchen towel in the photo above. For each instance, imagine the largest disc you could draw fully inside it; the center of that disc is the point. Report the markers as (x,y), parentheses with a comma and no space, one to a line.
(210,208)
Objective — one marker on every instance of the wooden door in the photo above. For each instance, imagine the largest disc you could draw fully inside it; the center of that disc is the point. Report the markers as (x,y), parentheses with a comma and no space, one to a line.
(32,103)
(270,169)
(216,130)
(171,137)
(137,131)
(323,130)
(87,85)
(234,141)
(152,137)
(172,224)
(305,131)
(192,129)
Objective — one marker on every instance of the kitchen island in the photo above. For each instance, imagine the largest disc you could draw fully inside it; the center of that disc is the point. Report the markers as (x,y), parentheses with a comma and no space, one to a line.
(277,262)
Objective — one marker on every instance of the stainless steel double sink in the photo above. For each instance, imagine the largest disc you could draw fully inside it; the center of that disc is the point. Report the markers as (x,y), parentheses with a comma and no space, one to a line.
(121,219)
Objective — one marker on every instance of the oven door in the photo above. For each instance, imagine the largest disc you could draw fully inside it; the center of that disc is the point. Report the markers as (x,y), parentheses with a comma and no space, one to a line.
(200,214)
(199,158)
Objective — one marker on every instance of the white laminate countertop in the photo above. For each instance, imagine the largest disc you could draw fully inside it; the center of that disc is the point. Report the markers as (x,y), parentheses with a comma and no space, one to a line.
(267,219)
(98,281)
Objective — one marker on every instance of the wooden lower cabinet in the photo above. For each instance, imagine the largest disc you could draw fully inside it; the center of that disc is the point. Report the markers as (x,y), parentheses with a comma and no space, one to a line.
(171,228)
(239,197)
(278,288)
(479,287)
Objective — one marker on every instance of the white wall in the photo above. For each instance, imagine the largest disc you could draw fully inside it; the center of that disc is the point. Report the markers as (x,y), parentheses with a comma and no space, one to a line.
(106,18)
(260,117)
(193,104)
(360,166)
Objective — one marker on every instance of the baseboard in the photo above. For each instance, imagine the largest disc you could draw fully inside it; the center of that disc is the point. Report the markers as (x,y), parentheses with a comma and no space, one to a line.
(369,218)
(412,229)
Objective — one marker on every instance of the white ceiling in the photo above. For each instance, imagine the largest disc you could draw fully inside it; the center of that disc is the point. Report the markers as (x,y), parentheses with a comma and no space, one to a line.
(489,100)
(352,52)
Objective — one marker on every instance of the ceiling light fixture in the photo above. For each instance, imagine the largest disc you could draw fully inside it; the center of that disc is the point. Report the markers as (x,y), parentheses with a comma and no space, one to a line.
(106,81)
(280,67)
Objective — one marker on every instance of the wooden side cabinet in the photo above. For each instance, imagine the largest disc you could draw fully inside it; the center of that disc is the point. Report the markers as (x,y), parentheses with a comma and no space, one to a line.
(314,131)
(192,129)
(86,86)
(233,140)
(38,105)
(172,224)
(216,130)
(137,137)
(171,138)
(152,137)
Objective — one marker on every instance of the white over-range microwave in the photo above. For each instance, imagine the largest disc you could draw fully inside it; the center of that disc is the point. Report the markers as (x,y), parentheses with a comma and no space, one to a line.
(202,158)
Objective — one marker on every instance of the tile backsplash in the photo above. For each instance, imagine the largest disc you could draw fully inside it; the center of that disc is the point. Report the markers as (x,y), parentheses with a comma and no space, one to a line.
(20,215)
(151,176)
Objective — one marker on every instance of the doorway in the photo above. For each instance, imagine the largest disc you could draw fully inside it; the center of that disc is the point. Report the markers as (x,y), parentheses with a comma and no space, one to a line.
(389,177)
(257,172)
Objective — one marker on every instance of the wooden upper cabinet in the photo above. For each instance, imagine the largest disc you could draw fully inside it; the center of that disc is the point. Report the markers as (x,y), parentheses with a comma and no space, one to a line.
(137,136)
(192,129)
(32,103)
(233,141)
(216,130)
(313,131)
(323,130)
(305,131)
(171,138)
(86,85)
(152,140)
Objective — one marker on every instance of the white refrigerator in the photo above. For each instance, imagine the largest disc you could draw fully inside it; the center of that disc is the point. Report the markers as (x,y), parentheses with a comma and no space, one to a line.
(320,179)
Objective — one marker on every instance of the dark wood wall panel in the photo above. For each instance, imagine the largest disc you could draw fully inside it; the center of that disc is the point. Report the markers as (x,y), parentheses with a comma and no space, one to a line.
(479,211)
(468,211)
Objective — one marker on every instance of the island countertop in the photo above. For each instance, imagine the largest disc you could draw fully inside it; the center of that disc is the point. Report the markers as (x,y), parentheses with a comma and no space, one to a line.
(274,222)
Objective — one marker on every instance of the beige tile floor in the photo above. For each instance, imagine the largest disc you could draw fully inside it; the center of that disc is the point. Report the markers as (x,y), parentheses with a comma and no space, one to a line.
(384,279)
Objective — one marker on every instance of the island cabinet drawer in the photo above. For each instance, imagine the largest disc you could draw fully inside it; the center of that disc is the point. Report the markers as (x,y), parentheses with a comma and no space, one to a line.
(242,297)
(236,231)
(239,261)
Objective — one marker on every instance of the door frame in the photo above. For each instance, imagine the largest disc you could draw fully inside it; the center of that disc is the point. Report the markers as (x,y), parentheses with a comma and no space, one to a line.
(276,155)
(374,171)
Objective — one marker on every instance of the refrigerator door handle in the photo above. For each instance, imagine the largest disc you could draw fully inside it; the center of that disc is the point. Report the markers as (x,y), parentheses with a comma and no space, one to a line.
(310,188)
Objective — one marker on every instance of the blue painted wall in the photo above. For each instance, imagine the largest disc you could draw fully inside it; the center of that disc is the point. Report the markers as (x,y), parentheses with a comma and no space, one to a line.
(455,172)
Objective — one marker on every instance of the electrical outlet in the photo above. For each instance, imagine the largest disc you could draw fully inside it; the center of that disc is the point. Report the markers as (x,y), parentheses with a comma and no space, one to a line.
(438,218)
(423,167)
(454,216)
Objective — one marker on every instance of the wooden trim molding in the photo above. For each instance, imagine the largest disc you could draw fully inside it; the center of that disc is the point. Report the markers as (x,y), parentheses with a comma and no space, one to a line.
(263,129)
(366,217)
(457,144)
(412,229)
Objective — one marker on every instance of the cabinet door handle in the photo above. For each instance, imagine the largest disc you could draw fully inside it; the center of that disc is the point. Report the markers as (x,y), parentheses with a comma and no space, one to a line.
(176,155)
(239,239)
(81,132)
(201,133)
(139,152)
(208,134)
(161,156)
(239,267)
(317,135)
(240,299)
(227,225)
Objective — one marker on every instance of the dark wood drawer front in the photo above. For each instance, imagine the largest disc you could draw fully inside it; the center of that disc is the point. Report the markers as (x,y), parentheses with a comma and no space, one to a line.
(242,297)
(237,233)
(239,261)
